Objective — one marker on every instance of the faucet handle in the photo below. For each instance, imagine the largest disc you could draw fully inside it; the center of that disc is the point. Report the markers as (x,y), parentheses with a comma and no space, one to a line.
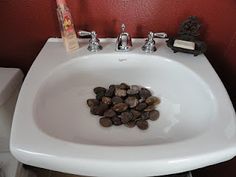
(160,35)
(149,45)
(85,33)
(94,42)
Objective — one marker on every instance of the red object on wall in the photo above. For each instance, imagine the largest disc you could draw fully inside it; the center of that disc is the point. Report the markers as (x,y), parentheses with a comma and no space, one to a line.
(25,25)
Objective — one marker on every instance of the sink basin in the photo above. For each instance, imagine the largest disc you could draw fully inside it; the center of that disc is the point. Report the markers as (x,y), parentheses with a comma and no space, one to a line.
(54,129)
(60,108)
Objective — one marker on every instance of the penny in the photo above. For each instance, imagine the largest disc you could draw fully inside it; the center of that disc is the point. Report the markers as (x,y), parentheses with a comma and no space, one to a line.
(124,86)
(141,106)
(132,92)
(99,109)
(141,100)
(116,100)
(105,122)
(106,100)
(111,91)
(135,113)
(154,115)
(145,116)
(135,87)
(126,117)
(109,113)
(100,95)
(95,110)
(130,124)
(116,121)
(120,107)
(99,90)
(144,93)
(149,108)
(152,100)
(131,101)
(120,92)
(142,124)
(92,102)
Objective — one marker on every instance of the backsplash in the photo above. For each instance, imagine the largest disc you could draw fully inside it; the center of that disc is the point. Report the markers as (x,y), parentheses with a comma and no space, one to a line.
(26,25)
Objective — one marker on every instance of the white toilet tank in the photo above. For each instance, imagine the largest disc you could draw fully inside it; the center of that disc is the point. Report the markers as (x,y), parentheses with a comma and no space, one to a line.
(10,83)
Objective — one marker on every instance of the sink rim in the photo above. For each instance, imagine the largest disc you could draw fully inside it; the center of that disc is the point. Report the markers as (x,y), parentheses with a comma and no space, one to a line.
(26,147)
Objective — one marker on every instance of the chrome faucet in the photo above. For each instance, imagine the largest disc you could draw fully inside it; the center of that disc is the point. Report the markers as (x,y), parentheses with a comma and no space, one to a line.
(124,42)
(149,45)
(94,43)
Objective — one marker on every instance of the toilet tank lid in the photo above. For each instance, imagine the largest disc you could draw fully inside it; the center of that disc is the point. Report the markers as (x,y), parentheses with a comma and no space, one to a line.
(10,79)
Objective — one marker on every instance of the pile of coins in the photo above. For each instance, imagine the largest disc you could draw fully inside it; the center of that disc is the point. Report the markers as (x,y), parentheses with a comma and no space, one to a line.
(130,105)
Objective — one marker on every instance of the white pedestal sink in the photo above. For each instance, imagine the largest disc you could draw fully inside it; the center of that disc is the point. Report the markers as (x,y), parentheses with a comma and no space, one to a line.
(54,129)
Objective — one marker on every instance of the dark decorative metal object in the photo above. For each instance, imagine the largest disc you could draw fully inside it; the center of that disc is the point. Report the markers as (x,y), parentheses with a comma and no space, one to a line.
(188,32)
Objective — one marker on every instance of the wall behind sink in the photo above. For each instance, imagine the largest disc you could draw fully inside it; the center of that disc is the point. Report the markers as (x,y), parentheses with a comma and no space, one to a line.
(25,25)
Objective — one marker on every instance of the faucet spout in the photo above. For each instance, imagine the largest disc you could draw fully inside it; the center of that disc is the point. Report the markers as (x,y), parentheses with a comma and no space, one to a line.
(124,42)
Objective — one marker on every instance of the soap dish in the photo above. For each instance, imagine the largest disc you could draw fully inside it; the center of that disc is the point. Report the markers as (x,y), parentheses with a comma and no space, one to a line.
(188,34)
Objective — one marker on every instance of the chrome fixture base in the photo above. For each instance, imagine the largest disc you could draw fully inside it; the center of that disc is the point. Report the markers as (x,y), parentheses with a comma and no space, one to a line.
(124,42)
(94,43)
(149,45)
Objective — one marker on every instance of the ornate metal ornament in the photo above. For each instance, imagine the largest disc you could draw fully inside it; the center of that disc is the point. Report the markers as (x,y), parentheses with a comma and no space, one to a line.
(188,34)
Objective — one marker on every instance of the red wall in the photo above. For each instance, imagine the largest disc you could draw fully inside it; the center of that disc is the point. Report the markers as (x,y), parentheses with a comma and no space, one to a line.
(25,25)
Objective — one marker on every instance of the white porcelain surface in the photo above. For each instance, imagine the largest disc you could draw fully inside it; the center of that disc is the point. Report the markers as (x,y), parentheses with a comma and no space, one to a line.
(10,83)
(61,110)
(10,79)
(53,128)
